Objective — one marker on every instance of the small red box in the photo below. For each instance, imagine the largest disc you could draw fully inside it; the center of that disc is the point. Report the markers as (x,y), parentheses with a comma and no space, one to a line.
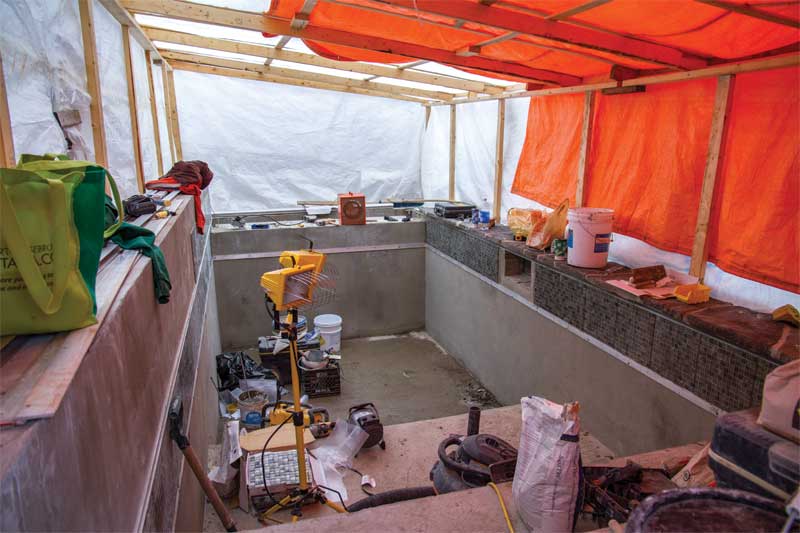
(352,209)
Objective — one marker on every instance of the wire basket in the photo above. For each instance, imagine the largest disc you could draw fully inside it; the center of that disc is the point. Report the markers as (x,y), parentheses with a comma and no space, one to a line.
(310,290)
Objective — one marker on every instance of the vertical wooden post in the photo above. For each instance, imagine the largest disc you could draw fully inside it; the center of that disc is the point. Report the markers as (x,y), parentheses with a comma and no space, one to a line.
(451,189)
(93,82)
(719,127)
(137,147)
(154,111)
(427,115)
(586,142)
(6,136)
(168,110)
(498,163)
(176,128)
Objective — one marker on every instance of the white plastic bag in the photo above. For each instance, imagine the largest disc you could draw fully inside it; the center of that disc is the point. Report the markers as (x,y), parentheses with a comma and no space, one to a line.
(546,480)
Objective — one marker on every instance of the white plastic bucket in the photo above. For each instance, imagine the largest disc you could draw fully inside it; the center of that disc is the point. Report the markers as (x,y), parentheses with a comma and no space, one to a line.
(589,236)
(330,332)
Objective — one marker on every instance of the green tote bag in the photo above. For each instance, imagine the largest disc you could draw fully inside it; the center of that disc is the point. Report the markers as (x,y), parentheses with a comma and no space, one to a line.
(51,235)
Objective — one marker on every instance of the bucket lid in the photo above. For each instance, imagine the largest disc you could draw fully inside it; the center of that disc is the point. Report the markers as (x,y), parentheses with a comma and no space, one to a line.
(590,214)
(328,321)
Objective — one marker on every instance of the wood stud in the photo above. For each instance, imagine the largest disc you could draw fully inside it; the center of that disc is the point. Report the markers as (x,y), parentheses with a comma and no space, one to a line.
(132,105)
(168,110)
(586,143)
(451,188)
(154,112)
(173,115)
(86,8)
(719,122)
(498,164)
(6,136)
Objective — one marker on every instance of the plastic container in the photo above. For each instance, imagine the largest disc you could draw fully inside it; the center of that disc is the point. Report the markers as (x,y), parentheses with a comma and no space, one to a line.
(589,236)
(250,404)
(330,332)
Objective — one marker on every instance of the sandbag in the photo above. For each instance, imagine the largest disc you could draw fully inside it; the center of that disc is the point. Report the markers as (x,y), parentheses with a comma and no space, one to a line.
(780,408)
(547,476)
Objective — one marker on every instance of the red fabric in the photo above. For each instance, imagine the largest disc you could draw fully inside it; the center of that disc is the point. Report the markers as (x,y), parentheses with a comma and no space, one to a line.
(754,230)
(189,177)
(548,165)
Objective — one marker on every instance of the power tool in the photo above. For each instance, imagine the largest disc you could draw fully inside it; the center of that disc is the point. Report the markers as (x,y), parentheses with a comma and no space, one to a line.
(479,459)
(281,410)
(366,417)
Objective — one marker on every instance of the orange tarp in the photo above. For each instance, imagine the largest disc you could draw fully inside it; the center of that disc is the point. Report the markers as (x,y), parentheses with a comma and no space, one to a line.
(755,225)
(647,159)
(548,166)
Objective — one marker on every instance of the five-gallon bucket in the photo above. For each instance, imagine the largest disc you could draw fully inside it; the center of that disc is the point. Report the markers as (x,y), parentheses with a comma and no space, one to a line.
(589,236)
(330,332)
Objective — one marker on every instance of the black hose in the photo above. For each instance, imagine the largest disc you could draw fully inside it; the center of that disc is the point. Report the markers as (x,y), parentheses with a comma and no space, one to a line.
(391,496)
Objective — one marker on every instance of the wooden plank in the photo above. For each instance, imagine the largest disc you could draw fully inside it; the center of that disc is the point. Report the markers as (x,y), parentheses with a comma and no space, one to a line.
(137,147)
(249,75)
(183,10)
(788,60)
(399,72)
(168,111)
(451,188)
(498,163)
(722,105)
(173,115)
(126,19)
(508,20)
(86,8)
(154,111)
(754,12)
(304,75)
(6,137)
(586,142)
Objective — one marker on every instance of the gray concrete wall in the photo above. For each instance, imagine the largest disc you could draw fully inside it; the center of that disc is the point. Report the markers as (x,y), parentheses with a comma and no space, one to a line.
(516,351)
(378,291)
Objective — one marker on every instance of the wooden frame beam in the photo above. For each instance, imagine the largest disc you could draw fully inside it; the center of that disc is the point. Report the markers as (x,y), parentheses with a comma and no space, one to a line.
(509,20)
(498,163)
(752,11)
(283,73)
(126,19)
(400,72)
(789,60)
(6,135)
(154,111)
(719,126)
(586,142)
(173,114)
(451,187)
(253,75)
(93,82)
(180,9)
(168,111)
(137,147)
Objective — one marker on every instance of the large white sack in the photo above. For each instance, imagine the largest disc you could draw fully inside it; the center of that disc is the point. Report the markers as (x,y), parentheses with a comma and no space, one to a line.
(547,477)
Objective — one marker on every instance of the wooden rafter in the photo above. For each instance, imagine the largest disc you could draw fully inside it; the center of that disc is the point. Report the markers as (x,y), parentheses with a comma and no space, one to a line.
(378,71)
(86,8)
(132,106)
(563,15)
(789,60)
(283,73)
(504,19)
(6,137)
(754,12)
(251,75)
(183,10)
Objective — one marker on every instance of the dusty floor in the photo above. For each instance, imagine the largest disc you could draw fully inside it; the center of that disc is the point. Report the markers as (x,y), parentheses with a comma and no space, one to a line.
(408,378)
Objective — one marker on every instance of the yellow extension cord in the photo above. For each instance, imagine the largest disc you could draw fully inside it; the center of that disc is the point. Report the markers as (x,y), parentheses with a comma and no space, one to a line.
(503,506)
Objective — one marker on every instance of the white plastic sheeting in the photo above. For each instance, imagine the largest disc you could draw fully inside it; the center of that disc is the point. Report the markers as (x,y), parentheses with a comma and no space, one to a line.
(144,114)
(114,90)
(43,72)
(476,130)
(270,145)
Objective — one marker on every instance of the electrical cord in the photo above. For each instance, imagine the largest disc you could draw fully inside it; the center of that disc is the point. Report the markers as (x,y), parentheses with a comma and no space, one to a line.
(339,494)
(502,506)
(365,491)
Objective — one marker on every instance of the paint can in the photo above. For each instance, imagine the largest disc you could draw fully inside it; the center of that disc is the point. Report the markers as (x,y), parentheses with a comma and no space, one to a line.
(589,236)
(250,404)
